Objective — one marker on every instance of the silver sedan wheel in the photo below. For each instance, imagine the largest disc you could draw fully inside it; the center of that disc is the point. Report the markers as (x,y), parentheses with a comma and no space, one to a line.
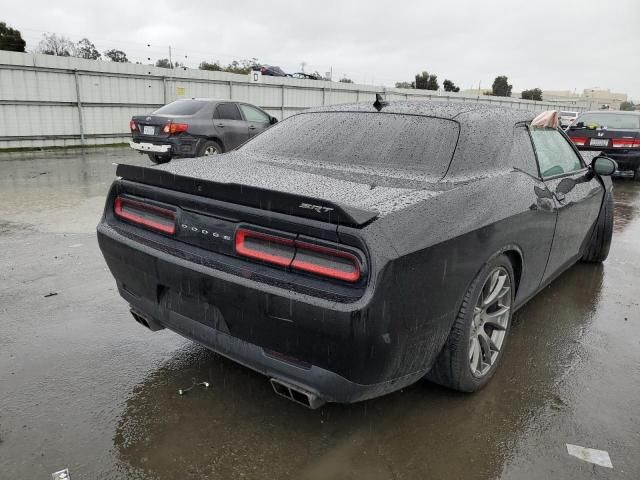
(490,321)
(210,151)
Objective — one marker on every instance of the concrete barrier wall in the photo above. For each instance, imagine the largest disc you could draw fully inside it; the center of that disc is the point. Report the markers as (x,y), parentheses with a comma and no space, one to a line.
(64,101)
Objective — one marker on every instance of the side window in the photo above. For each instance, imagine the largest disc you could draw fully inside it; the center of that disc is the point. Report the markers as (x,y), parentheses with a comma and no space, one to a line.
(227,111)
(253,114)
(523,156)
(555,155)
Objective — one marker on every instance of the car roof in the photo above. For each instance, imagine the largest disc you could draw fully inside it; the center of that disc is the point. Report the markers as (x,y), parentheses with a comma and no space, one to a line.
(614,112)
(463,112)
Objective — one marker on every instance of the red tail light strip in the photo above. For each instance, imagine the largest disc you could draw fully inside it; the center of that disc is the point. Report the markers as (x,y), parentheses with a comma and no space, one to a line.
(277,256)
(303,256)
(579,140)
(133,126)
(342,265)
(626,143)
(151,216)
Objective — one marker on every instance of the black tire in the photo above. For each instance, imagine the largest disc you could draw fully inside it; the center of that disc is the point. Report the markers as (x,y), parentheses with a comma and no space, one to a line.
(598,248)
(452,367)
(157,159)
(209,147)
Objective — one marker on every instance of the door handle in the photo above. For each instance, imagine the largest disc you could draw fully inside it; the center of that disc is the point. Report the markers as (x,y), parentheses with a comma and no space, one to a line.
(252,127)
(221,125)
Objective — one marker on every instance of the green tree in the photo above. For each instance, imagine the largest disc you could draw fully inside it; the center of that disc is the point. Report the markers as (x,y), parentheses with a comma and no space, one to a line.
(163,63)
(51,44)
(501,87)
(214,66)
(11,39)
(432,83)
(240,66)
(533,94)
(627,106)
(449,86)
(405,84)
(345,80)
(85,49)
(117,56)
(424,81)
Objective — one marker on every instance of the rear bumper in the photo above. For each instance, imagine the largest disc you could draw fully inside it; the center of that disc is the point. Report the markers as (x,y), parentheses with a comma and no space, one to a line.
(182,145)
(322,347)
(150,147)
(627,160)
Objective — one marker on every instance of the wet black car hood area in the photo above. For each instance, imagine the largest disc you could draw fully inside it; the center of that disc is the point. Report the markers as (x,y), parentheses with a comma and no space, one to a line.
(371,188)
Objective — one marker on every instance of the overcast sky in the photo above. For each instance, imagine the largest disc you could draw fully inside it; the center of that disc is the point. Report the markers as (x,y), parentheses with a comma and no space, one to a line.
(554,45)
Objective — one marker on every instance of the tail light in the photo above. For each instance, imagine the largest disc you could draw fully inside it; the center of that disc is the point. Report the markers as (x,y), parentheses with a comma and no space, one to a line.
(626,143)
(299,255)
(173,128)
(579,140)
(147,215)
(267,248)
(133,126)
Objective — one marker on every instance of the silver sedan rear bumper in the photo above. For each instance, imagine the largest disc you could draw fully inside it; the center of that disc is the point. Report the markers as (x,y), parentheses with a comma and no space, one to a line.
(150,147)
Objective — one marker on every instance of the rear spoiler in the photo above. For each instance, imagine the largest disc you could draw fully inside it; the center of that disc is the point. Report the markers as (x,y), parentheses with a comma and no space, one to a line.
(271,200)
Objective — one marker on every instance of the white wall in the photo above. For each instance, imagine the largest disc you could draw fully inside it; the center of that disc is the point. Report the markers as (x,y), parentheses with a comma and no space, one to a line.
(55,101)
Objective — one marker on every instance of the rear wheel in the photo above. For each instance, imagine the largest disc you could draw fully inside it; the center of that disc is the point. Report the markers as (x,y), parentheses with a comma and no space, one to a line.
(600,242)
(156,158)
(208,148)
(476,342)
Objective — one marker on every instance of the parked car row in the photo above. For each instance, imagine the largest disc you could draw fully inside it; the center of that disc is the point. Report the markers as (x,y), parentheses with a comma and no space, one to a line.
(273,71)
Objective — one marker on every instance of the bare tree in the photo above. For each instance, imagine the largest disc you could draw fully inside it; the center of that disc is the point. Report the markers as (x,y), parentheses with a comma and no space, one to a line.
(51,44)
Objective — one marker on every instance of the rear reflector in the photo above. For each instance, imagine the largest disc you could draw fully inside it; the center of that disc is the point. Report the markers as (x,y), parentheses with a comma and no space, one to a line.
(626,143)
(579,140)
(145,214)
(307,257)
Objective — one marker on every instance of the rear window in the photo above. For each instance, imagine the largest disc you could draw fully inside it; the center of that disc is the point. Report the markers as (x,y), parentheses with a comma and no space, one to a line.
(610,120)
(346,138)
(181,107)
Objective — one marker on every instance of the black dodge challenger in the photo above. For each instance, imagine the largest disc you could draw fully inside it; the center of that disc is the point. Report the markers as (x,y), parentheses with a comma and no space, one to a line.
(350,251)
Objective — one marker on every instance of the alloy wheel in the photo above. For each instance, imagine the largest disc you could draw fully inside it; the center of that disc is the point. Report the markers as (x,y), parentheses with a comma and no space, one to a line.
(490,321)
(210,151)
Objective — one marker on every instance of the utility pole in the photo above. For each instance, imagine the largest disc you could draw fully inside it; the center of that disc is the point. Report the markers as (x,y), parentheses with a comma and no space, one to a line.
(170,62)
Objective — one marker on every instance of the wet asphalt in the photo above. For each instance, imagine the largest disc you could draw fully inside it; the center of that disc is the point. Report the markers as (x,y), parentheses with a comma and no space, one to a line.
(83,386)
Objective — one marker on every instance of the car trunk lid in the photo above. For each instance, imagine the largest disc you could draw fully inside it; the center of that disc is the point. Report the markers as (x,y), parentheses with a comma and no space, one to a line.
(334,194)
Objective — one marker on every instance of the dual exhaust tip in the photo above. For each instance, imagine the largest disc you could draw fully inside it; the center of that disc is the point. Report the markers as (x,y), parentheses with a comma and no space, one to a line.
(296,394)
(284,389)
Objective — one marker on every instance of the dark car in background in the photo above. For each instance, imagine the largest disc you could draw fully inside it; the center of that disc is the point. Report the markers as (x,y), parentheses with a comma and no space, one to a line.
(196,127)
(350,251)
(269,70)
(616,133)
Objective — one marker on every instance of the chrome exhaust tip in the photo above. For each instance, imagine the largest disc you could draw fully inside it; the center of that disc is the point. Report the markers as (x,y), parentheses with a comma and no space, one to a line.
(296,394)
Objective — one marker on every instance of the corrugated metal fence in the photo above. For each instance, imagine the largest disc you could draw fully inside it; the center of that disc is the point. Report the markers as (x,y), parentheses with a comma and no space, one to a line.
(63,101)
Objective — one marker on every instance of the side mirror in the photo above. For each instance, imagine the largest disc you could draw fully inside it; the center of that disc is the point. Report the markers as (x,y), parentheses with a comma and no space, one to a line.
(604,166)
(273,121)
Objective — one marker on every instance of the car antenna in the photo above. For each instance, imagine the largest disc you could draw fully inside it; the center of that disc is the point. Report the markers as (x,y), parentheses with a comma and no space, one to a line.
(379,104)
